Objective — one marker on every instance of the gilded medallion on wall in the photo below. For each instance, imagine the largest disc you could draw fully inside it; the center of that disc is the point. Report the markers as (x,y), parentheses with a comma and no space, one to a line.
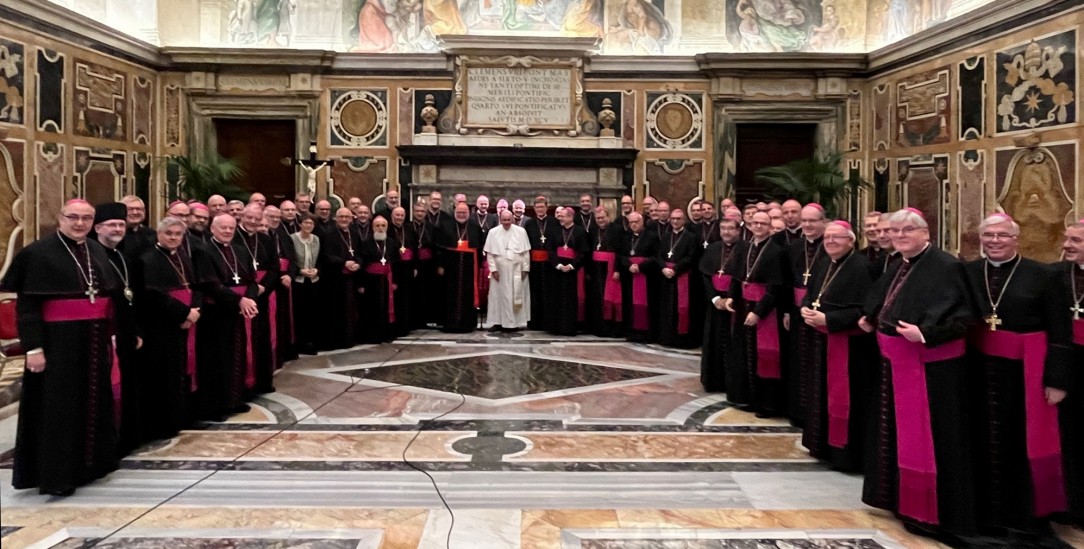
(359,118)
(675,120)
(1036,83)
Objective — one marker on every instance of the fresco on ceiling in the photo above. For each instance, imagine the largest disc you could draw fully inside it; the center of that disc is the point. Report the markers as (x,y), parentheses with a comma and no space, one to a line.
(626,27)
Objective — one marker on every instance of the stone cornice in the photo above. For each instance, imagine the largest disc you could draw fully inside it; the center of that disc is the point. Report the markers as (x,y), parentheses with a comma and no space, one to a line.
(65,24)
(783,65)
(248,60)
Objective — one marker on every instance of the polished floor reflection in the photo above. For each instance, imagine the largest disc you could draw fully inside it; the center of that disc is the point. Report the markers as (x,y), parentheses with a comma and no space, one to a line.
(533,442)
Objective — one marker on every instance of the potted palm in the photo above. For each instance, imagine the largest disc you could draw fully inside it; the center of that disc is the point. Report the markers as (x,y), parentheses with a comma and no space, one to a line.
(815,179)
(200,179)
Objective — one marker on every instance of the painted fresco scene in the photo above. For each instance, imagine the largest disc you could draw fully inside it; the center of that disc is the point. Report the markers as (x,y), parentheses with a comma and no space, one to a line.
(626,27)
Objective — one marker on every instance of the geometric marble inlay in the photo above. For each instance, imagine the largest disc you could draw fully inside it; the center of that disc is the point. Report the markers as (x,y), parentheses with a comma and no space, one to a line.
(218,543)
(499,375)
(758,543)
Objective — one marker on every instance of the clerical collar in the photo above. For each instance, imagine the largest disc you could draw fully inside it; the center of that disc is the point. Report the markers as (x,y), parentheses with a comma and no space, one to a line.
(918,255)
(1000,263)
(813,241)
(759,242)
(794,230)
(70,240)
(165,250)
(215,240)
(843,257)
(679,231)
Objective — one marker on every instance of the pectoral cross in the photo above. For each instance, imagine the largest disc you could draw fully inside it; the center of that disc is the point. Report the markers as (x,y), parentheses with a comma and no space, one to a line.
(805,278)
(383,261)
(402,250)
(705,244)
(459,243)
(255,265)
(669,254)
(816,304)
(598,246)
(1076,310)
(236,278)
(543,239)
(350,251)
(993,321)
(91,293)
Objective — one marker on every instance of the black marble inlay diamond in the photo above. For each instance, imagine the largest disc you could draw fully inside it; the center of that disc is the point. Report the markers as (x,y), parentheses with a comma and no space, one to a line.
(498,376)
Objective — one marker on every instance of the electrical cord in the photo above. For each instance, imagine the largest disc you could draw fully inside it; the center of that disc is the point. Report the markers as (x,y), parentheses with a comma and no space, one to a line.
(297,421)
(433,481)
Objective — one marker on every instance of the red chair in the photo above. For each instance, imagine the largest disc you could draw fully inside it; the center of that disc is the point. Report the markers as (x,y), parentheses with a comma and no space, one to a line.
(10,346)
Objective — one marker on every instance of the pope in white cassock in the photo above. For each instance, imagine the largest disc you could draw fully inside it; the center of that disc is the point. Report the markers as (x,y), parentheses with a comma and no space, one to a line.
(509,255)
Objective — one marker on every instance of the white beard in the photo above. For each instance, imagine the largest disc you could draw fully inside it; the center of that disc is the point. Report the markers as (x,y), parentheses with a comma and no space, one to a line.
(380,237)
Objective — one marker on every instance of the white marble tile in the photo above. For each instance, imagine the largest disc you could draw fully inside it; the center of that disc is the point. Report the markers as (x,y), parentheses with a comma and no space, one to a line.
(474,528)
(808,490)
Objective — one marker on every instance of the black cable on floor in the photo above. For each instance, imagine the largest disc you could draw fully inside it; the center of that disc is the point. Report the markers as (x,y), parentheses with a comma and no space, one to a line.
(296,422)
(433,481)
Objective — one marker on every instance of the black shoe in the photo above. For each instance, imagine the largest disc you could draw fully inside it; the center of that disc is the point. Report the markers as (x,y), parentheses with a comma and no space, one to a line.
(59,492)
(765,414)
(495,328)
(239,409)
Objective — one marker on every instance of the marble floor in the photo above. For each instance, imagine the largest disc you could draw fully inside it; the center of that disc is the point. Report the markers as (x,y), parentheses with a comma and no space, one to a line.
(533,442)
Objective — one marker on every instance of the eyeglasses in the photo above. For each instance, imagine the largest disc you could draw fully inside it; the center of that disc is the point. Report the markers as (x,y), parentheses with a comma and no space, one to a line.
(835,237)
(75,218)
(905,230)
(997,236)
(759,223)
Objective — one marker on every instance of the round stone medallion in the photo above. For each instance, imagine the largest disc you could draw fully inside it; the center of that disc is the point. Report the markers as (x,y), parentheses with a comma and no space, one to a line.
(358,117)
(675,120)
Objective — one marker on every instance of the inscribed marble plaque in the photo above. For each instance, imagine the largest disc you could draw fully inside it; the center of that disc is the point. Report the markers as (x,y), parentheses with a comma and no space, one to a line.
(520,96)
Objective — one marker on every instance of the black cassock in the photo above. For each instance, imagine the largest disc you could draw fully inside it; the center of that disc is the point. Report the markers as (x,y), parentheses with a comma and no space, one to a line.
(339,318)
(167,370)
(605,318)
(460,256)
(838,360)
(760,286)
(259,251)
(423,307)
(1016,430)
(435,225)
(484,221)
(404,271)
(224,346)
(586,221)
(540,234)
(716,352)
(677,313)
(66,434)
(566,307)
(287,262)
(639,290)
(1071,409)
(930,291)
(377,303)
(803,257)
(128,329)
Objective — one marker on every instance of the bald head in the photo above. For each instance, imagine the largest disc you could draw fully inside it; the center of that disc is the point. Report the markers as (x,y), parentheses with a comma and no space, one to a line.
(792,213)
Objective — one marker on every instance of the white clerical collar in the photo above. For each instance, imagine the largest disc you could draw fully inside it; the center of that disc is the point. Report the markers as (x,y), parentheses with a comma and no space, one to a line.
(794,230)
(759,242)
(1000,263)
(920,252)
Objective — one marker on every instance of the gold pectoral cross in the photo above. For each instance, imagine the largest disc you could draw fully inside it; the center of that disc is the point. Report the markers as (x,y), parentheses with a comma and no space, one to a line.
(669,255)
(543,239)
(805,278)
(91,293)
(816,304)
(1076,310)
(993,321)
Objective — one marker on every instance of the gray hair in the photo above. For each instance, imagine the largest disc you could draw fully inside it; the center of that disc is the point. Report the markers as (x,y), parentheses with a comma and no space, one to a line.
(170,221)
(909,215)
(998,219)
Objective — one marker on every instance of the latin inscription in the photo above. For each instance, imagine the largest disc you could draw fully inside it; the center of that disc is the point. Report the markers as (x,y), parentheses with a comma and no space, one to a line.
(537,97)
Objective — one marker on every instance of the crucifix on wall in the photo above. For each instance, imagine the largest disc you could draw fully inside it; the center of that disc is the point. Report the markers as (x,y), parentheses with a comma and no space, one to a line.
(311,165)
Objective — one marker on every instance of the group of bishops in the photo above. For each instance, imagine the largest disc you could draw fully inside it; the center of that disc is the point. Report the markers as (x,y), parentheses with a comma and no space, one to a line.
(955,387)
(948,384)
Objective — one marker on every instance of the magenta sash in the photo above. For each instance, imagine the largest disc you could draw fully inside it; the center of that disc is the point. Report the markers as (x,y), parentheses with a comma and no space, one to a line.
(768,356)
(74,310)
(284,267)
(581,298)
(683,301)
(799,295)
(250,363)
(184,295)
(839,384)
(611,289)
(914,432)
(721,282)
(1078,332)
(406,254)
(640,318)
(1043,435)
(273,322)
(425,254)
(385,271)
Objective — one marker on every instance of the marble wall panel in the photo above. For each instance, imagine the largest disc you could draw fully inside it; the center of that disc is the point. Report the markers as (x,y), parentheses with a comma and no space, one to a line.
(12,164)
(676,181)
(971,189)
(142,110)
(12,81)
(405,127)
(882,117)
(101,100)
(1036,83)
(854,120)
(358,118)
(360,176)
(628,119)
(923,179)
(726,143)
(674,120)
(1037,186)
(50,88)
(971,86)
(99,174)
(172,102)
(50,171)
(923,109)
